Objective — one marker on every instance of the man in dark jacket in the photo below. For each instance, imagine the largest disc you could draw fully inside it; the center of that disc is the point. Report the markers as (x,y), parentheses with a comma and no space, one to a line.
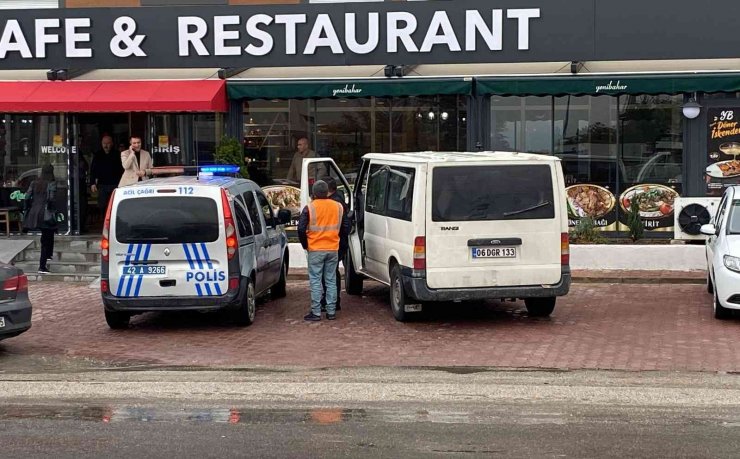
(105,172)
(321,227)
(338,196)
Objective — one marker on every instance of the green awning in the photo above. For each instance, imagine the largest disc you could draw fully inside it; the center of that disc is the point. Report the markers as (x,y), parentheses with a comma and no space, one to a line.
(312,89)
(607,85)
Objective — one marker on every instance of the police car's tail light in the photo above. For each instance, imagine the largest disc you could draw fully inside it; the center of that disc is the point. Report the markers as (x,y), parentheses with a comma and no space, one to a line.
(564,249)
(228,226)
(103,286)
(233,283)
(420,253)
(104,243)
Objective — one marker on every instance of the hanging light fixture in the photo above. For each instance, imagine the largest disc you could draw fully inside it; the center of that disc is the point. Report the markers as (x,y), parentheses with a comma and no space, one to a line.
(691,109)
(444,116)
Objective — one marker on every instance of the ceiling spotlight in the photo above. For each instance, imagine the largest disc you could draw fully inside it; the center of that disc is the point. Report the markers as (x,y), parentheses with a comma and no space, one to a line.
(431,116)
(444,116)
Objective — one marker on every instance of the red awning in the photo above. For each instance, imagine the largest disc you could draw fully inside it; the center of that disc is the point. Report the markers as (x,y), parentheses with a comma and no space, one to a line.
(113,96)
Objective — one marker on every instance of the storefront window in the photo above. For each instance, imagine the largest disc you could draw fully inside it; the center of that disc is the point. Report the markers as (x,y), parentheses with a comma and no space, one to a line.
(612,149)
(345,129)
(522,124)
(208,128)
(428,123)
(27,143)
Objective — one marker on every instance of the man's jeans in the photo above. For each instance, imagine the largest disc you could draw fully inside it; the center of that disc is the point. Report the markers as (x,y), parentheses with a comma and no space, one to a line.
(323,265)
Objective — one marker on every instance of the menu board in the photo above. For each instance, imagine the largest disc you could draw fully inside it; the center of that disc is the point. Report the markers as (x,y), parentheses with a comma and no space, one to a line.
(655,203)
(593,201)
(723,148)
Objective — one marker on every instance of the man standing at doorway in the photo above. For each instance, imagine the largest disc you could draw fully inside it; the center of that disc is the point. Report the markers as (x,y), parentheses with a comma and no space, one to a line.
(136,162)
(296,166)
(105,172)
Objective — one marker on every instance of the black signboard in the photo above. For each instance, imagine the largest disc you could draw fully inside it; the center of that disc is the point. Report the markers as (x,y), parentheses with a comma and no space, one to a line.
(723,149)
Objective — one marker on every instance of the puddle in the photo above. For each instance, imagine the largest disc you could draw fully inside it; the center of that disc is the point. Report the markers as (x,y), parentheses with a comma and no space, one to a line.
(319,416)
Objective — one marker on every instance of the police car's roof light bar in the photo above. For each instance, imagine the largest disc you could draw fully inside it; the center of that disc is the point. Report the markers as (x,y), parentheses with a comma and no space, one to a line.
(209,170)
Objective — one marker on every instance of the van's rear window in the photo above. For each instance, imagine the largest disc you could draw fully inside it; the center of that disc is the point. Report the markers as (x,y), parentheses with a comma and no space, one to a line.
(170,219)
(479,193)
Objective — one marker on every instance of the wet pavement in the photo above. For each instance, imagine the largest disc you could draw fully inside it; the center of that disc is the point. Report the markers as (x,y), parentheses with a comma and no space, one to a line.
(597,326)
(370,413)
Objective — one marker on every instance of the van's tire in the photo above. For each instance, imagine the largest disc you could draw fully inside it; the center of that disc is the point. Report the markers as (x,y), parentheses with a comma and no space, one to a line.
(710,285)
(398,297)
(352,280)
(279,290)
(720,312)
(540,307)
(117,320)
(244,314)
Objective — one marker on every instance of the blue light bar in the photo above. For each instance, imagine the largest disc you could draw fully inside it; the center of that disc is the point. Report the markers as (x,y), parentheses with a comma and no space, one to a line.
(220,169)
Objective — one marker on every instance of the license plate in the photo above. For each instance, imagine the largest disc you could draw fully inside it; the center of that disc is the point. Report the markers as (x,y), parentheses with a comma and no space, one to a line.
(144,270)
(2,322)
(494,252)
(412,307)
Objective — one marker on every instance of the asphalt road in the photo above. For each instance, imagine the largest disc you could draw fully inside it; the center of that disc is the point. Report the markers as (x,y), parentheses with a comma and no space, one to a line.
(367,412)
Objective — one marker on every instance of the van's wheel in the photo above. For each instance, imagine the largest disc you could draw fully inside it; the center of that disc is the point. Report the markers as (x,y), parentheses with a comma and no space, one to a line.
(710,286)
(244,315)
(352,280)
(117,320)
(398,297)
(540,307)
(279,290)
(720,312)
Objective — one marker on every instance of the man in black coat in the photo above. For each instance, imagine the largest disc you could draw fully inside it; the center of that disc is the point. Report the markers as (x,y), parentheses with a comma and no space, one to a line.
(343,241)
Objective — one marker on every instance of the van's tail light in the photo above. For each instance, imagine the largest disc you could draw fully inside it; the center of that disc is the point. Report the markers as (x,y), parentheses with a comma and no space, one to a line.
(420,253)
(104,242)
(104,288)
(16,284)
(564,249)
(228,226)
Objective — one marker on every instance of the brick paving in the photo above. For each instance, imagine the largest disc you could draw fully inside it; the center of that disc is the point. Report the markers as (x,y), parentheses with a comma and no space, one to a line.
(597,326)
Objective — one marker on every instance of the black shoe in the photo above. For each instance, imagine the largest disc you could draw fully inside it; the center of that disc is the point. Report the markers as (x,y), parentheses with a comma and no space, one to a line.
(44,271)
(311,318)
(331,317)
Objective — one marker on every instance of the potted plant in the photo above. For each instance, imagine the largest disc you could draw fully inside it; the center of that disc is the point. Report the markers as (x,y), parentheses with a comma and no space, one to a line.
(230,151)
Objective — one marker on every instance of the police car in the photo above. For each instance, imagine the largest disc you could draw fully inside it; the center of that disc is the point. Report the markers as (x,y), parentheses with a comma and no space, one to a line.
(202,243)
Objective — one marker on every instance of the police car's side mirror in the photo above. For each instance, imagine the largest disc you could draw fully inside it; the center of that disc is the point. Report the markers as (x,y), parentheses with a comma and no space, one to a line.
(284,216)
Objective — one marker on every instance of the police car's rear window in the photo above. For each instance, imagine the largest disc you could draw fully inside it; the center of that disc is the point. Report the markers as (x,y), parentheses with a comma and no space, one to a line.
(173,220)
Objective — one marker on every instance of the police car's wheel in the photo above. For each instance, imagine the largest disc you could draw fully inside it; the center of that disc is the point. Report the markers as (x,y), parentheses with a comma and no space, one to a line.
(245,313)
(398,297)
(117,320)
(540,307)
(279,289)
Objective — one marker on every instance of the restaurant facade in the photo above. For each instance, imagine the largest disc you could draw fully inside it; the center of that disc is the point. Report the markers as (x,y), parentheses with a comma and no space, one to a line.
(630,107)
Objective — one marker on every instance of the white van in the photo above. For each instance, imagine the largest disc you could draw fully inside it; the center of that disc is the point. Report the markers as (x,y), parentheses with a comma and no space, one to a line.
(191,243)
(440,226)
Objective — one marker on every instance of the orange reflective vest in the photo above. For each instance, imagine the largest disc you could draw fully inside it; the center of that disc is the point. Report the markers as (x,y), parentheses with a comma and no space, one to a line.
(325,220)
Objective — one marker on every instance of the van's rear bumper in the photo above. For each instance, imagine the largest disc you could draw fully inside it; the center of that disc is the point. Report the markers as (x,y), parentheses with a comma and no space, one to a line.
(231,299)
(417,288)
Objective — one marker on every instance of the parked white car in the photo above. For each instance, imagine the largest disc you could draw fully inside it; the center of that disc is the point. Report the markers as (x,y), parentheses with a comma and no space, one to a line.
(723,254)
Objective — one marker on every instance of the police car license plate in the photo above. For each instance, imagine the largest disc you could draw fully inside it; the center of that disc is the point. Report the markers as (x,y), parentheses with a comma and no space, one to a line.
(2,322)
(144,270)
(494,252)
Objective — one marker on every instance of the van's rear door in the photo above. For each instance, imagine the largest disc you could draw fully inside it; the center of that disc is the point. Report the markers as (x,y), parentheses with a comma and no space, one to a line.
(168,241)
(493,224)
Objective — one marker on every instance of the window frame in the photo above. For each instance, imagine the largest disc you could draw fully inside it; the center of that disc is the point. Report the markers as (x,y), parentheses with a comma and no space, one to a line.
(400,215)
(380,167)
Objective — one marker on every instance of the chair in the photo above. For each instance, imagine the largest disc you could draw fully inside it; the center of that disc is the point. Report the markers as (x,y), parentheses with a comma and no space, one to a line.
(7,216)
